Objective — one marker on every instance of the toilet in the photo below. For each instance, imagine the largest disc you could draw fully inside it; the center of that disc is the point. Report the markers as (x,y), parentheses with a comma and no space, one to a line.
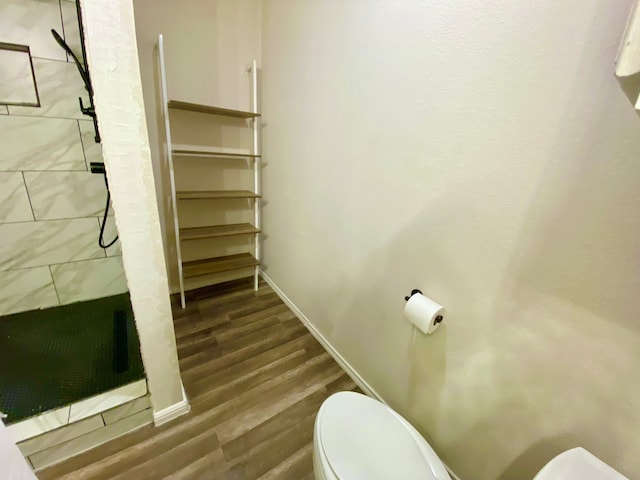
(358,438)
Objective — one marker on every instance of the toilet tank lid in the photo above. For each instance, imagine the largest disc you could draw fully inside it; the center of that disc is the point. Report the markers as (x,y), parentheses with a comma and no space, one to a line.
(578,464)
(362,438)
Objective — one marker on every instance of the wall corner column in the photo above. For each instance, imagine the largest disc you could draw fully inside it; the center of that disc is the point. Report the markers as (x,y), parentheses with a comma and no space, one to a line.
(113,62)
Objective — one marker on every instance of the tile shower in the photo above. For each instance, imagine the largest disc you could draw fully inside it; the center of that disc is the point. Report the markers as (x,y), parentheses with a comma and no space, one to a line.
(50,204)
(51,207)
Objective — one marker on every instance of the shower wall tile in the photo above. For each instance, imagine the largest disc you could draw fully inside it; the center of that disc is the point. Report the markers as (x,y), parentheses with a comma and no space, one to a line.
(126,410)
(17,85)
(91,440)
(59,86)
(92,150)
(56,195)
(32,244)
(50,204)
(60,435)
(29,22)
(107,400)
(71,29)
(26,289)
(38,425)
(89,279)
(14,202)
(30,143)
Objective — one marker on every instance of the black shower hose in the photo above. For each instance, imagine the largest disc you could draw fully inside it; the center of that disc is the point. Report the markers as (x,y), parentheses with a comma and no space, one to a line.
(104,218)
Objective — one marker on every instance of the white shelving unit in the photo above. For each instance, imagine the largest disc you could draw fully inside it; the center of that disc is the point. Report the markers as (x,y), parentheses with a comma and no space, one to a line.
(227,263)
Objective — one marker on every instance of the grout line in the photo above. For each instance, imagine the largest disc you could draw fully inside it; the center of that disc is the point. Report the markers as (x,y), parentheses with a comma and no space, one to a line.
(53,219)
(49,171)
(64,34)
(33,213)
(53,280)
(46,59)
(59,263)
(44,116)
(84,155)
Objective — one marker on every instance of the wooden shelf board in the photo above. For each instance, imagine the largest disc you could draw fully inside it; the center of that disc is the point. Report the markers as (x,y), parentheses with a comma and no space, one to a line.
(204,151)
(195,107)
(210,266)
(218,231)
(215,194)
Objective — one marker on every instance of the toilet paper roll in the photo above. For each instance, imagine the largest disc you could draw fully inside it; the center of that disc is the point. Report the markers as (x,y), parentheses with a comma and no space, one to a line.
(424,313)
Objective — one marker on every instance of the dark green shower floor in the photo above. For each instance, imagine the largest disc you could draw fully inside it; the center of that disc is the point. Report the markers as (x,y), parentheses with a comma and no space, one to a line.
(53,357)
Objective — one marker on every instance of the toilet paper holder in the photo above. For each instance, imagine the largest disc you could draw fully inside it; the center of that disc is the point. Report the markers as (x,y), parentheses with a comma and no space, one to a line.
(438,319)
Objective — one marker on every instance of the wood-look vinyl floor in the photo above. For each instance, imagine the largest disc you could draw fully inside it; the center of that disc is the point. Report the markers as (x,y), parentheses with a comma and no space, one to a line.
(255,378)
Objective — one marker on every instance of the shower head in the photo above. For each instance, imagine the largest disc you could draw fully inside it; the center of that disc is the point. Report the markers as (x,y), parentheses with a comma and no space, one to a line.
(81,69)
(61,41)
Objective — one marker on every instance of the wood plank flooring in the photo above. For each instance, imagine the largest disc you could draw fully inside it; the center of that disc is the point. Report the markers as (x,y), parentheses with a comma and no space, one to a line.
(255,378)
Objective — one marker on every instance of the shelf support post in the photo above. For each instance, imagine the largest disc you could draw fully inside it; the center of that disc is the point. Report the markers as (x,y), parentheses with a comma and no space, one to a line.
(256,169)
(169,147)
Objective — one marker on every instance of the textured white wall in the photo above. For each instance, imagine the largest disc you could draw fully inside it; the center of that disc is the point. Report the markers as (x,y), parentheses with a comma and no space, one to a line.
(113,62)
(482,152)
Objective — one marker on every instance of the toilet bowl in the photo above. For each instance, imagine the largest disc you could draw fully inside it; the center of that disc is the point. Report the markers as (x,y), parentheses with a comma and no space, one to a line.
(356,437)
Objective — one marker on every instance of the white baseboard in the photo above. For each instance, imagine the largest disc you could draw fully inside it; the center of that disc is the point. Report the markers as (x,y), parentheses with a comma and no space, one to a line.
(346,366)
(340,360)
(173,411)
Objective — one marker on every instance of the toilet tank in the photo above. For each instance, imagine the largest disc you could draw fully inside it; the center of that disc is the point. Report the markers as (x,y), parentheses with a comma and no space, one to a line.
(578,464)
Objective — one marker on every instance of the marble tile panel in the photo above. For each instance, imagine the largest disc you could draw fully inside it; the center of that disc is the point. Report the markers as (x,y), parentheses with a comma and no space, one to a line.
(14,202)
(4,110)
(27,289)
(126,410)
(59,86)
(32,244)
(60,435)
(90,440)
(29,22)
(105,401)
(92,150)
(56,195)
(30,143)
(38,425)
(17,85)
(89,279)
